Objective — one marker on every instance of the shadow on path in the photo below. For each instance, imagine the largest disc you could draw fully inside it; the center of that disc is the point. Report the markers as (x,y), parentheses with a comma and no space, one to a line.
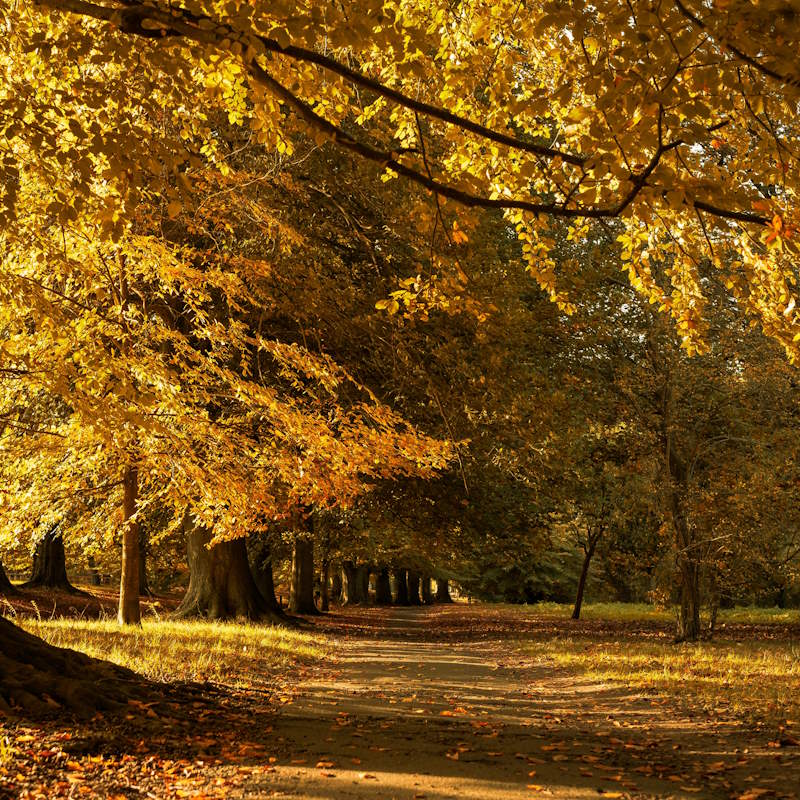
(406,717)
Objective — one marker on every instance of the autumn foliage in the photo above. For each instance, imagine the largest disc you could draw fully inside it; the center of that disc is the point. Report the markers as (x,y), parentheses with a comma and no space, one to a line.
(479,293)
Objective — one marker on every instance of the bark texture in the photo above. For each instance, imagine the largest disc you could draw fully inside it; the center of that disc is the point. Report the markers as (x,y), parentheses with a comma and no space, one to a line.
(687,547)
(50,564)
(443,591)
(588,552)
(94,574)
(689,621)
(383,588)
(336,586)
(221,585)
(324,581)
(144,549)
(587,560)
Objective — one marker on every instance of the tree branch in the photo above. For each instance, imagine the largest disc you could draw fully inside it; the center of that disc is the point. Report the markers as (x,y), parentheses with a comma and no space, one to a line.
(757,65)
(131,18)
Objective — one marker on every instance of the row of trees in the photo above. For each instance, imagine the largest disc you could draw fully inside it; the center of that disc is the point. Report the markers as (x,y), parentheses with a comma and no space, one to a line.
(216,324)
(563,426)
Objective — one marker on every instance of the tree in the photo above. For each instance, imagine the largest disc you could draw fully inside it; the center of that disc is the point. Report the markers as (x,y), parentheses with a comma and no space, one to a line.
(41,678)
(692,422)
(50,564)
(443,591)
(301,597)
(260,557)
(383,587)
(221,585)
(6,587)
(134,337)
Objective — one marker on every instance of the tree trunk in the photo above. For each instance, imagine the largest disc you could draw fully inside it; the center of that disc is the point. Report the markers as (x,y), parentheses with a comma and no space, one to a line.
(401,588)
(144,545)
(94,575)
(383,588)
(129,612)
(442,591)
(221,585)
(688,629)
(351,586)
(6,587)
(260,561)
(587,560)
(50,564)
(324,599)
(301,598)
(37,679)
(362,579)
(688,566)
(425,590)
(413,588)
(689,620)
(336,586)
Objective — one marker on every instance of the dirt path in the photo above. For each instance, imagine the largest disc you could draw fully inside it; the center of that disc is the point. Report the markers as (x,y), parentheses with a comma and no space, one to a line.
(406,717)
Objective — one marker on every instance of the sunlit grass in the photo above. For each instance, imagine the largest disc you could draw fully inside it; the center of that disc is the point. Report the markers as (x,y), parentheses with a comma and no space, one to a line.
(609,611)
(755,676)
(166,650)
(623,612)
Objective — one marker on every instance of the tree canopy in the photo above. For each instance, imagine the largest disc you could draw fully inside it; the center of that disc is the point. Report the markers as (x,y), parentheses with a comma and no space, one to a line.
(672,123)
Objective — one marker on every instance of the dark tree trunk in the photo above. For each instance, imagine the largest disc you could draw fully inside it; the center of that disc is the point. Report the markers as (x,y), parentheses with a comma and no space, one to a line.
(324,580)
(129,612)
(144,548)
(442,591)
(425,589)
(221,585)
(587,560)
(401,588)
(336,586)
(260,560)
(94,575)
(301,598)
(6,587)
(689,620)
(362,579)
(351,585)
(413,588)
(37,679)
(383,588)
(50,564)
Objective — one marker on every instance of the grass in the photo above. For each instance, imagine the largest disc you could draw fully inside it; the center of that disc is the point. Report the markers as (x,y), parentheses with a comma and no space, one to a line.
(742,672)
(642,612)
(166,650)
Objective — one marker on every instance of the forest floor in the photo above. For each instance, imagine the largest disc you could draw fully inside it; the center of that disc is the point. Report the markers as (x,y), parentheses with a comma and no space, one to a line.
(462,701)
